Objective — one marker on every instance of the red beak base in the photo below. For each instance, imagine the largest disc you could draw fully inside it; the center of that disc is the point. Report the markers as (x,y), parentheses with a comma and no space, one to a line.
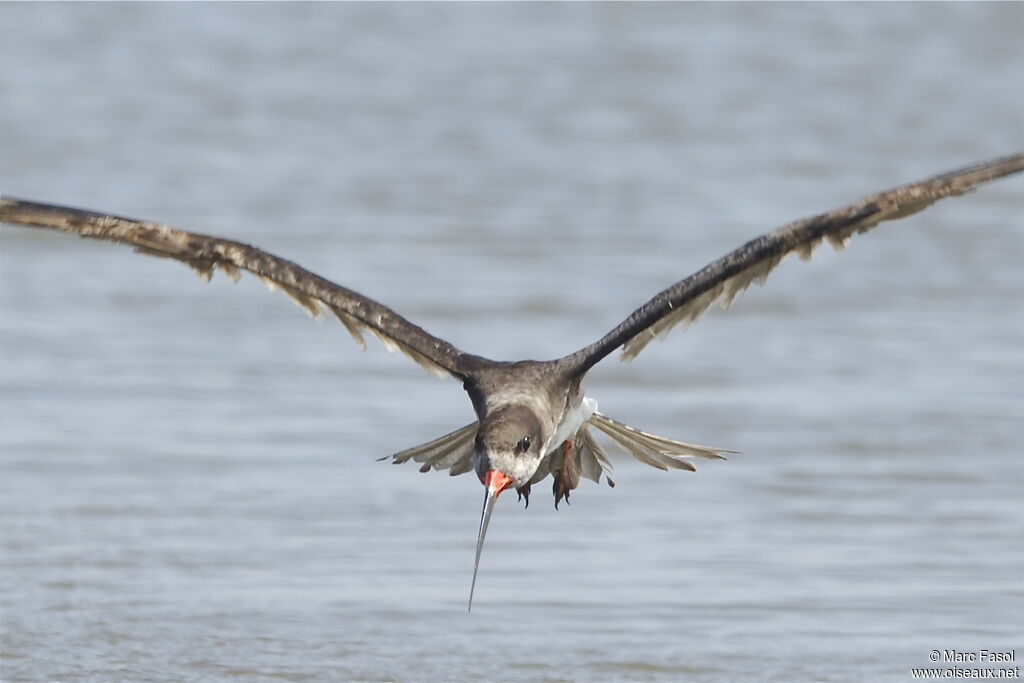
(496,481)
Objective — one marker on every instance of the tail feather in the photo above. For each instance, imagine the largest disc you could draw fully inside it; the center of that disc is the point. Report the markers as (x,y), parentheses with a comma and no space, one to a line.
(593,461)
(651,449)
(452,451)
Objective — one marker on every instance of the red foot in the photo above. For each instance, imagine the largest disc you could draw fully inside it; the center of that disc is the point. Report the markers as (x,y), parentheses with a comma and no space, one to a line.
(561,486)
(524,493)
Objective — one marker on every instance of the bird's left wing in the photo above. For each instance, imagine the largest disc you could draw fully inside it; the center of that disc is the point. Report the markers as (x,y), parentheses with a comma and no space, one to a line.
(205,254)
(722,280)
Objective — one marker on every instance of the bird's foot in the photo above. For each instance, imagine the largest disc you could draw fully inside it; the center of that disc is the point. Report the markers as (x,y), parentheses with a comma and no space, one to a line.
(524,494)
(562,485)
(561,494)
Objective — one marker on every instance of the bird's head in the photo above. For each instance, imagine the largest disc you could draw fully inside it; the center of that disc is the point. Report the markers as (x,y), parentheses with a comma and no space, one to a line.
(507,453)
(508,448)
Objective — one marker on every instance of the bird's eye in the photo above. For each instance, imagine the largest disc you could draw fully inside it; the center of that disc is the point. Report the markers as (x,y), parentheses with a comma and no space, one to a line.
(523,445)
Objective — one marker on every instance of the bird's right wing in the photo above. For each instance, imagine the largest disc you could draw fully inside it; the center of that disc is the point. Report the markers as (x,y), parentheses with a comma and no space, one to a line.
(205,254)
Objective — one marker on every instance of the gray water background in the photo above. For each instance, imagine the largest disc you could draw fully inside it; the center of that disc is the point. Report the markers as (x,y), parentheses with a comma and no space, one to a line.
(188,484)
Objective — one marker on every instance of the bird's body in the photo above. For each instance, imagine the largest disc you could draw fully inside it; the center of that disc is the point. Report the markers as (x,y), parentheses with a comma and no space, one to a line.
(533,419)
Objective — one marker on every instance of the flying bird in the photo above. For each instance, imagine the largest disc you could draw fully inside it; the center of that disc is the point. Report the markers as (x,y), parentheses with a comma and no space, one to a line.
(533,418)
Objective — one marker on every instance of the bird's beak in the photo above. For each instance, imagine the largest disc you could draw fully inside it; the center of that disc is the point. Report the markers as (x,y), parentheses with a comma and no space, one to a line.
(496,482)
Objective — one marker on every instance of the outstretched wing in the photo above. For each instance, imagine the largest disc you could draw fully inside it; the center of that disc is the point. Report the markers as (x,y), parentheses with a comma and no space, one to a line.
(206,254)
(687,300)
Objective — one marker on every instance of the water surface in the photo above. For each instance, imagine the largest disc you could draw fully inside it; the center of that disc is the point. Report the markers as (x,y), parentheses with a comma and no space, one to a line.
(189,488)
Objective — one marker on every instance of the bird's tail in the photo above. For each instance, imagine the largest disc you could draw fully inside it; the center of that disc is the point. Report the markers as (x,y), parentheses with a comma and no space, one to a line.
(651,449)
(452,452)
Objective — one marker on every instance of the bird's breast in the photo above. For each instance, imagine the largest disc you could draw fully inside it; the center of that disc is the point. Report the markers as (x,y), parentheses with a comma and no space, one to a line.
(573,419)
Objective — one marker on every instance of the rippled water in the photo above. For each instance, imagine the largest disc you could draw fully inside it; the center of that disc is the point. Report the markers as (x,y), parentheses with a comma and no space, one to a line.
(189,487)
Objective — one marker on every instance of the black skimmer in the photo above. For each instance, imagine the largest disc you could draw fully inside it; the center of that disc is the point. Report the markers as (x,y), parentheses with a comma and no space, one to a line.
(533,418)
